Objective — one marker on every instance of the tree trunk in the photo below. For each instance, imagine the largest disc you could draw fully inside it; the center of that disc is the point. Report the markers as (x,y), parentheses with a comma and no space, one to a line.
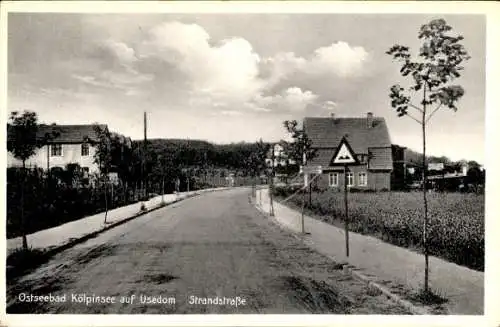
(162,189)
(23,223)
(125,192)
(424,190)
(271,188)
(105,199)
(310,191)
(112,196)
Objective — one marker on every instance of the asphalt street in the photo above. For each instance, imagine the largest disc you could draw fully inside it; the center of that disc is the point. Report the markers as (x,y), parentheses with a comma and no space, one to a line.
(213,253)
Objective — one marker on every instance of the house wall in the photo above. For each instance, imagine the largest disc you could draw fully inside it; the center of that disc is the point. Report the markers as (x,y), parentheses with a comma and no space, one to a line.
(71,153)
(380,180)
(381,158)
(376,180)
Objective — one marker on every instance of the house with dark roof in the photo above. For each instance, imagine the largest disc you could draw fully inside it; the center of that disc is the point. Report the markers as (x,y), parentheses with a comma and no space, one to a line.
(369,139)
(72,144)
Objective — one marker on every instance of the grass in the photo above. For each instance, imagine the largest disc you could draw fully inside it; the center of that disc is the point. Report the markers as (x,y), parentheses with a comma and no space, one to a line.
(24,260)
(456,230)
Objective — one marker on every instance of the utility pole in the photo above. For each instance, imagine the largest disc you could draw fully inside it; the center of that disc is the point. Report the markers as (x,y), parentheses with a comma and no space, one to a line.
(346,222)
(145,178)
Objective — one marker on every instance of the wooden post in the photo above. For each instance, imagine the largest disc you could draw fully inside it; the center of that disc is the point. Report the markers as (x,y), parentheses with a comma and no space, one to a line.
(162,189)
(271,187)
(346,213)
(303,207)
(145,154)
(310,190)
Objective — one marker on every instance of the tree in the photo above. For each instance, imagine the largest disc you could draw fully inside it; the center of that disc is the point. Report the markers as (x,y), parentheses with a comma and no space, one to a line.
(103,159)
(23,142)
(300,150)
(256,161)
(431,76)
(475,177)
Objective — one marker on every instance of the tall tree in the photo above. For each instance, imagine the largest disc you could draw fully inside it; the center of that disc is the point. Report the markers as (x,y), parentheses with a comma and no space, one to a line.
(23,141)
(256,161)
(431,73)
(103,158)
(300,149)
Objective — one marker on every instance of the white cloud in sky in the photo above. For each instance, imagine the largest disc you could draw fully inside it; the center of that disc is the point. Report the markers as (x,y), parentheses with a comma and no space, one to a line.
(123,53)
(231,113)
(339,58)
(293,99)
(227,74)
(192,69)
(227,70)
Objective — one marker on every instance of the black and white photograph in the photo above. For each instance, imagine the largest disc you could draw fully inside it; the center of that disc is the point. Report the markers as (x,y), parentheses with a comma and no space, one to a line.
(198,163)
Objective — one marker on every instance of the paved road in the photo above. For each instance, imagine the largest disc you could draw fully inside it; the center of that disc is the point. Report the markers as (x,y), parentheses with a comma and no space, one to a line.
(215,245)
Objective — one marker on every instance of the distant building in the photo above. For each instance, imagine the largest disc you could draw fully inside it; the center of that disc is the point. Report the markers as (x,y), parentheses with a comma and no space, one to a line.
(277,152)
(369,138)
(73,145)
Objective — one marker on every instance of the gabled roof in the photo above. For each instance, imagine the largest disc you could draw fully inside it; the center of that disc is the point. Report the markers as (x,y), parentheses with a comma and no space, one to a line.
(66,133)
(327,132)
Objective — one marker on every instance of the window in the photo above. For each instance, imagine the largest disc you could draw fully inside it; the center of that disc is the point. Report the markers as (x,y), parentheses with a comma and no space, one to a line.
(350,179)
(85,149)
(362,158)
(333,179)
(56,150)
(362,179)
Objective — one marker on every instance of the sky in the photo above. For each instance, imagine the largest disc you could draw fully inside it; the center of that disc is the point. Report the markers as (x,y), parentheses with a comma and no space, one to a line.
(233,77)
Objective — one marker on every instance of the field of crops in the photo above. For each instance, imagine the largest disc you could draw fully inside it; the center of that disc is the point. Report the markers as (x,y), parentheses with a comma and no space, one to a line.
(456,231)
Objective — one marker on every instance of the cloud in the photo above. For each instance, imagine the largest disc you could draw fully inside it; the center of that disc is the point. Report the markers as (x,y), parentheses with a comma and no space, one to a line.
(293,99)
(119,50)
(338,60)
(227,70)
(231,113)
(329,105)
(178,65)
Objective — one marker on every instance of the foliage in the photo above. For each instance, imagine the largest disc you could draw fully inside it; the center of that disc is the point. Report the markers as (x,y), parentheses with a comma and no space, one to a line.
(301,147)
(103,154)
(51,200)
(255,163)
(24,140)
(23,260)
(438,64)
(205,164)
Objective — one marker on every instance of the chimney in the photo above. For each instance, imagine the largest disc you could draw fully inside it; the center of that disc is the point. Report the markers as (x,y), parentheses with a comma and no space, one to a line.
(369,119)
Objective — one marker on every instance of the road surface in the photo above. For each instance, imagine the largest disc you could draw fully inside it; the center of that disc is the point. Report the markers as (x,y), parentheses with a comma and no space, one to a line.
(214,253)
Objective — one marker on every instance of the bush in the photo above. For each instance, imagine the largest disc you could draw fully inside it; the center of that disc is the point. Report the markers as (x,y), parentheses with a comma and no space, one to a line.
(49,202)
(285,190)
(23,260)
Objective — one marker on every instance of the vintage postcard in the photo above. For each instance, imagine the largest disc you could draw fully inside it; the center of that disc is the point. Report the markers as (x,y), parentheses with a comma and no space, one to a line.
(249,163)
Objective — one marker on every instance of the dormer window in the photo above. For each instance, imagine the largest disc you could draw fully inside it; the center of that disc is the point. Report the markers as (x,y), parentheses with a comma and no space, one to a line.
(362,158)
